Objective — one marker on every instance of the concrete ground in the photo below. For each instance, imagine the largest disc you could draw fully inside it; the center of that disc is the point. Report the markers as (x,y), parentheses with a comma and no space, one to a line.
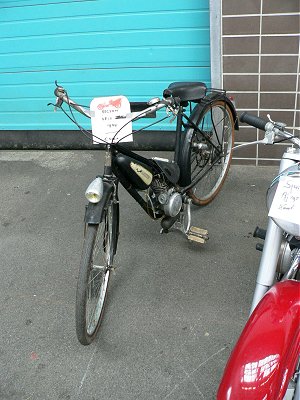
(174,309)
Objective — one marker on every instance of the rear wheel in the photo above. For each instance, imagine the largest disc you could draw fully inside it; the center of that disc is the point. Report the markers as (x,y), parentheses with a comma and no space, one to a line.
(207,156)
(95,267)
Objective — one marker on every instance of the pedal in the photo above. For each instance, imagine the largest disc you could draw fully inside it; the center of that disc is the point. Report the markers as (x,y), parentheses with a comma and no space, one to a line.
(198,231)
(198,235)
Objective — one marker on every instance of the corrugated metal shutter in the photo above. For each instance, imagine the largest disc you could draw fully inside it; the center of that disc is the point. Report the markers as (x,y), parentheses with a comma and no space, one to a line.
(95,48)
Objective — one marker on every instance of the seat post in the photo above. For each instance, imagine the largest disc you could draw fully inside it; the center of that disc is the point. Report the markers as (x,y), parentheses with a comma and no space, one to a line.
(178,136)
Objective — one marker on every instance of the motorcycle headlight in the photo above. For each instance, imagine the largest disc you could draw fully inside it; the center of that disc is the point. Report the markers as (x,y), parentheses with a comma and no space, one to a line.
(94,192)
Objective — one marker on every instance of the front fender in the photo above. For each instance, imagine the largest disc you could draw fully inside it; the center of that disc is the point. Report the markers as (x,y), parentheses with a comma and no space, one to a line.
(264,359)
(94,211)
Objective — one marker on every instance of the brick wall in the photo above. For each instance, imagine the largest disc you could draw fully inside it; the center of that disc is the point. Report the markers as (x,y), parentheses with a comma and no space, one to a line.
(260,63)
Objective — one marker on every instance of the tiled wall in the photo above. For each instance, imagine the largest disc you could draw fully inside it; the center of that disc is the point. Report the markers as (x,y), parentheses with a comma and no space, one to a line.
(260,63)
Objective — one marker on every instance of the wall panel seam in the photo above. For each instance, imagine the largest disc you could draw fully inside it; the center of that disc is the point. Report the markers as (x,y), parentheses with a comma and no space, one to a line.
(263,55)
(257,15)
(262,35)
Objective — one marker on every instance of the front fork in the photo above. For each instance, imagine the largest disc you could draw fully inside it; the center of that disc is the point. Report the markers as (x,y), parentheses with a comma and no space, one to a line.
(268,262)
(271,249)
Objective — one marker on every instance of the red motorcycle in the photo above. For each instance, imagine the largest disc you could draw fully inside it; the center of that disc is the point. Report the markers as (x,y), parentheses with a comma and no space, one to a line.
(265,362)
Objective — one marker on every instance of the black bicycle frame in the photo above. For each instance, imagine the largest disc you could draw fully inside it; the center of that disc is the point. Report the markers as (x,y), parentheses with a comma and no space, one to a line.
(114,149)
(117,148)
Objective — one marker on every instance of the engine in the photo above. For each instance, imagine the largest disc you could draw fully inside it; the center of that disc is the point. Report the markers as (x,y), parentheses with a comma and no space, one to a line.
(166,197)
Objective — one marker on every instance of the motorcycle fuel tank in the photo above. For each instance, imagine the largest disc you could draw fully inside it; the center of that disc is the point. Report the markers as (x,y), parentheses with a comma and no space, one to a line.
(136,172)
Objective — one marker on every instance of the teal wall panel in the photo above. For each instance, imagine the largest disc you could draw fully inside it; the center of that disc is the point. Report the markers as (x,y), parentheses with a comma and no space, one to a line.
(95,48)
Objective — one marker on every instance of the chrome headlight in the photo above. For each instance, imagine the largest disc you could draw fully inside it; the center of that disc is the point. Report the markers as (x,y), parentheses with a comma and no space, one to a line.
(94,192)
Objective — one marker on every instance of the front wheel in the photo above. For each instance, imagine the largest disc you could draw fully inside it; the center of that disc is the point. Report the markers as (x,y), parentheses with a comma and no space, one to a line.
(207,152)
(95,267)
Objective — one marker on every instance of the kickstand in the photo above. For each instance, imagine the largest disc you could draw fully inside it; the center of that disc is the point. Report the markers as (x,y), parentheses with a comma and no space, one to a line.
(184,222)
(193,233)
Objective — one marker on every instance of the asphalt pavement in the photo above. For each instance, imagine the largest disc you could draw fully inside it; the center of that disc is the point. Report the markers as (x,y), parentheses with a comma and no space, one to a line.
(174,308)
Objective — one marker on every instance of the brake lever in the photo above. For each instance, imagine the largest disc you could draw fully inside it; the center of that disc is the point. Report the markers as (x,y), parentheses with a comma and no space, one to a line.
(58,104)
(59,93)
(279,125)
(174,111)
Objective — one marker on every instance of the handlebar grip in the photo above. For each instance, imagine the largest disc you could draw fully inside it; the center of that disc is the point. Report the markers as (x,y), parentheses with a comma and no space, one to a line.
(59,91)
(253,120)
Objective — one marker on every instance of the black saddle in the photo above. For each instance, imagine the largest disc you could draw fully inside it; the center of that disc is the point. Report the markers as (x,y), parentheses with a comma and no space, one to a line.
(186,91)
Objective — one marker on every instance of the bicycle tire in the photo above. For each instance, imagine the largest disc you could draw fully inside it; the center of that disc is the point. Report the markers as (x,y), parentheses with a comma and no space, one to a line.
(99,245)
(200,159)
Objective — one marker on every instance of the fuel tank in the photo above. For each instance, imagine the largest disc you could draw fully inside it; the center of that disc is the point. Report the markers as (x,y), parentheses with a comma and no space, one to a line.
(138,173)
(265,357)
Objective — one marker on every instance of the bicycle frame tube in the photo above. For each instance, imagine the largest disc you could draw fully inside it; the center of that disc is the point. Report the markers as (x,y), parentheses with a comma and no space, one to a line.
(179,134)
(123,150)
(269,258)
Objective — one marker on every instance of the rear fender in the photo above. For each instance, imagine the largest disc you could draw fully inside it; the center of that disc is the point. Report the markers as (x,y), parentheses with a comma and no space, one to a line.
(199,109)
(265,357)
(94,211)
(220,96)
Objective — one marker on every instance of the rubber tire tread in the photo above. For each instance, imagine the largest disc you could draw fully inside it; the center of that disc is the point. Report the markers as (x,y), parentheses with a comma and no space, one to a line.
(87,251)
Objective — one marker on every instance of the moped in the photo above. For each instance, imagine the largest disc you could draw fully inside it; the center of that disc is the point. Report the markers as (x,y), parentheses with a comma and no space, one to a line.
(264,364)
(164,188)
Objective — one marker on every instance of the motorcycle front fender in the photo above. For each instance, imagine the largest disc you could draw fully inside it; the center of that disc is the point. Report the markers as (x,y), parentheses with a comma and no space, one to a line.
(265,357)
(94,211)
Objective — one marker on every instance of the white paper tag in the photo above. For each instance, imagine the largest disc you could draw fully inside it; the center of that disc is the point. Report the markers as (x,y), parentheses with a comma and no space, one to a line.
(110,115)
(286,202)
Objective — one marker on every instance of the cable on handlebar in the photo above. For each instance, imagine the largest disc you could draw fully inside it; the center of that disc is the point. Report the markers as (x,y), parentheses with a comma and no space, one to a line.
(143,128)
(132,120)
(283,140)
(85,132)
(137,117)
(90,134)
(82,130)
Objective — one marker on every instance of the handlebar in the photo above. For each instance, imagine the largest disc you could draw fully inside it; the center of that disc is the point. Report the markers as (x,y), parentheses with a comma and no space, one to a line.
(171,103)
(272,129)
(62,97)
